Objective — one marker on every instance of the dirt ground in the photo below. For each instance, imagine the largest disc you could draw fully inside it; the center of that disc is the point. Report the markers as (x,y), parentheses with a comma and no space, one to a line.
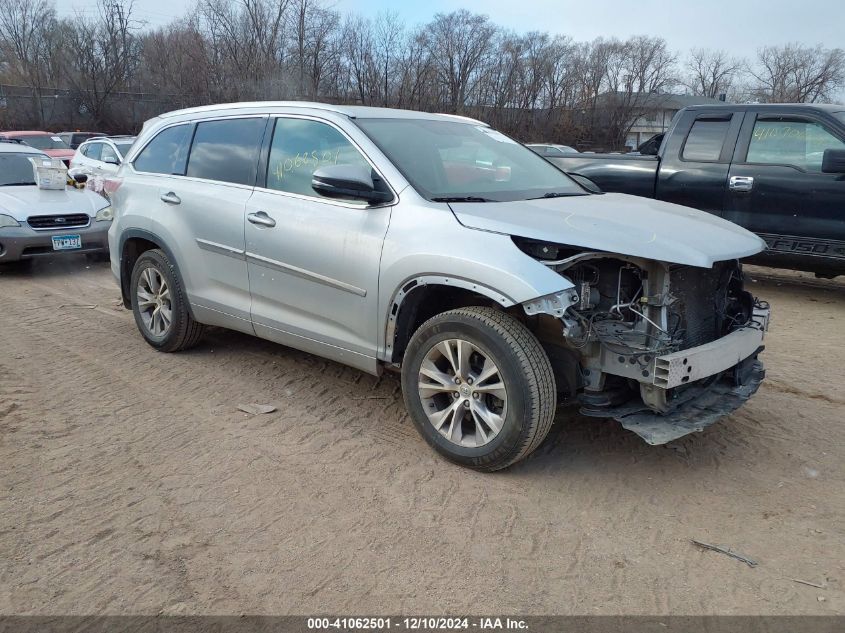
(130,483)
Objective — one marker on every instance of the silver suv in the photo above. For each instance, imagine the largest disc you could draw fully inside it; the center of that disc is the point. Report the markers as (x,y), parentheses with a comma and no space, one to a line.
(436,246)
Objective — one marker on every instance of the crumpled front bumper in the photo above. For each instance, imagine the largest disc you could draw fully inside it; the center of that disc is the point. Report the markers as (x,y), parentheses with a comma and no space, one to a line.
(703,405)
(710,382)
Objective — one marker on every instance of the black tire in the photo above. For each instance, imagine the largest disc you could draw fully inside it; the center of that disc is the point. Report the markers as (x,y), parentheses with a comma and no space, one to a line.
(525,371)
(183,332)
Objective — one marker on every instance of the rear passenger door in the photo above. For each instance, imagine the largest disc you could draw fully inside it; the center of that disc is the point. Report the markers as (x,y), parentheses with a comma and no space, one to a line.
(196,179)
(314,261)
(777,188)
(696,160)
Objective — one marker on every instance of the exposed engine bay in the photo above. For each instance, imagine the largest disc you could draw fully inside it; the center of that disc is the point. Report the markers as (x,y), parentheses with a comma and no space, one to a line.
(650,336)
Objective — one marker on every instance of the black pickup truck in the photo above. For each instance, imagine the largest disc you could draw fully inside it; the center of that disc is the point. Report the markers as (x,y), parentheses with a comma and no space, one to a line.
(777,170)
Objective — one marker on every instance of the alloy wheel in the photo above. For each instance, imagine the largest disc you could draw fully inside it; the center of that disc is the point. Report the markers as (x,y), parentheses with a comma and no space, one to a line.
(154,302)
(463,393)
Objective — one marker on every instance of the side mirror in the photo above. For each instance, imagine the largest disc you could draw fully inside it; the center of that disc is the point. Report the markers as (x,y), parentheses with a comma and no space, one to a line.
(111,161)
(833,161)
(585,182)
(347,181)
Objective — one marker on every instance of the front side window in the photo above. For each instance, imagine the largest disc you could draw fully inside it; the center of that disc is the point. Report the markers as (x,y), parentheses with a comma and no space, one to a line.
(226,150)
(167,153)
(798,143)
(705,140)
(456,160)
(300,147)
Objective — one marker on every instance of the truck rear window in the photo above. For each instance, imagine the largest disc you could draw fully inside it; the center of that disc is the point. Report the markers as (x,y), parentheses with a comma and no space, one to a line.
(705,140)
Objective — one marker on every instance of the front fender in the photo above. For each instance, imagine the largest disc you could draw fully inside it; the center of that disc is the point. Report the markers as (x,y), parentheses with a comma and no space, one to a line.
(426,244)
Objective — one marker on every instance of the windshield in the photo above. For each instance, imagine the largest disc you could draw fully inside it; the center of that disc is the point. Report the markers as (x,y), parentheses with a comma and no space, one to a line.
(15,169)
(44,141)
(840,116)
(454,161)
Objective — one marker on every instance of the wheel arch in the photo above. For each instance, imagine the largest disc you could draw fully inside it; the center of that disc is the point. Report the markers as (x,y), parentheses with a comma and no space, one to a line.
(420,298)
(133,244)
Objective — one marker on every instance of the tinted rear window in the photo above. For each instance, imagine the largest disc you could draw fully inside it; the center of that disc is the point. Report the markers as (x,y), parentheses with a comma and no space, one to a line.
(167,152)
(226,150)
(44,141)
(705,140)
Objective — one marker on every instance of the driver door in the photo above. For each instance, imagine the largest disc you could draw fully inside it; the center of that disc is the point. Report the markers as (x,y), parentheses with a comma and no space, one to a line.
(776,187)
(313,262)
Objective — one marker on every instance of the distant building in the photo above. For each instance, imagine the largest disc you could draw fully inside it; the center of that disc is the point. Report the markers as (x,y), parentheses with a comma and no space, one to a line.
(661,108)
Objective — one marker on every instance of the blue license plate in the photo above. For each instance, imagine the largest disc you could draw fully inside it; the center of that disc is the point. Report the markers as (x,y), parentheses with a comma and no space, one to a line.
(66,242)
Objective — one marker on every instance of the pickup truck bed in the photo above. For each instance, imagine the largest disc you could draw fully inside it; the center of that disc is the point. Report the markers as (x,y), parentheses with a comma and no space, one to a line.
(777,170)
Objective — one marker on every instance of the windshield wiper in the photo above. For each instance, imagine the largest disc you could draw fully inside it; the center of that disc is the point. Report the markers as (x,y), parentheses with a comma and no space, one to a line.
(556,194)
(462,199)
(15,184)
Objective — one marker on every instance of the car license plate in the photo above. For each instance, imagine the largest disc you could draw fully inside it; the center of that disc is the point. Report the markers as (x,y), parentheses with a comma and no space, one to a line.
(66,242)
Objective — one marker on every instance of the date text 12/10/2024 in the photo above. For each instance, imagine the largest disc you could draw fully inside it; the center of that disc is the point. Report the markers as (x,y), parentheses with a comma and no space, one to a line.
(416,623)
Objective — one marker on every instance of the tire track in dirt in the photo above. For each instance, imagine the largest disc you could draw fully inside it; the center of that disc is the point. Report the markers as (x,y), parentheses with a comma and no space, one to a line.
(129,483)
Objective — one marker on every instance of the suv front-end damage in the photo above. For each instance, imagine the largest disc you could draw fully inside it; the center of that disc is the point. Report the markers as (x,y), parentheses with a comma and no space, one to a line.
(666,349)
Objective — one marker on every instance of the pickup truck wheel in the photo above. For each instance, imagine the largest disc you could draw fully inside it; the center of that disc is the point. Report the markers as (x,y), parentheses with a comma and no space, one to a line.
(160,306)
(479,387)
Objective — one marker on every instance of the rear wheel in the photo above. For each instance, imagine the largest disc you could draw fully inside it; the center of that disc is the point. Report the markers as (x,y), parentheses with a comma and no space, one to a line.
(479,387)
(160,306)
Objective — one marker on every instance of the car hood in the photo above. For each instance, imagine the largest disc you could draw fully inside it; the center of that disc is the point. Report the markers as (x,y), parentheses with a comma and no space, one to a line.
(25,200)
(617,223)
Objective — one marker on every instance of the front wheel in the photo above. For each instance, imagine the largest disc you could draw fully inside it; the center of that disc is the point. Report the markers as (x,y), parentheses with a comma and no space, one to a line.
(479,387)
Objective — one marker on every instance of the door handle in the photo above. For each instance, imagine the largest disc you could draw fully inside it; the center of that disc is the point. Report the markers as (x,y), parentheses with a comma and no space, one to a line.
(261,219)
(741,183)
(170,198)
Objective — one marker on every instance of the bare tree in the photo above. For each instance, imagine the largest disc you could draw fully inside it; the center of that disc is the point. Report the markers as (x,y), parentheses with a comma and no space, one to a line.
(650,64)
(359,56)
(175,63)
(105,55)
(460,44)
(27,33)
(244,41)
(389,37)
(711,73)
(531,85)
(798,74)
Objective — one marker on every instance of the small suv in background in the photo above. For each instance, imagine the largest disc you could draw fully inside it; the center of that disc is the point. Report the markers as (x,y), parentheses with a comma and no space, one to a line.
(75,139)
(102,155)
(436,246)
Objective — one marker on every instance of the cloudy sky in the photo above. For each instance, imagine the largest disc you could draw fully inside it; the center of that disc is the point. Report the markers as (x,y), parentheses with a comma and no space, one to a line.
(738,26)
